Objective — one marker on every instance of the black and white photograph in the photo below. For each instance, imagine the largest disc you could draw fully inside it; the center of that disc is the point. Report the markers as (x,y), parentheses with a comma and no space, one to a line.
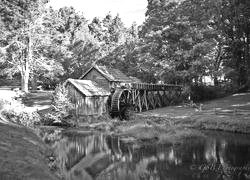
(124,89)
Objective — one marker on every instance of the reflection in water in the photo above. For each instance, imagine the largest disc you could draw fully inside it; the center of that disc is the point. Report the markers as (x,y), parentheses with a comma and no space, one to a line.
(104,157)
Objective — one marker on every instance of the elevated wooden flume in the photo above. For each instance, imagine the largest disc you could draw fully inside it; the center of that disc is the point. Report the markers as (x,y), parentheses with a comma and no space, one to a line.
(140,97)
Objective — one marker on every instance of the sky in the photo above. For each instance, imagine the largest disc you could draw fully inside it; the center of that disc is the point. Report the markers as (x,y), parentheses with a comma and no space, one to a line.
(129,10)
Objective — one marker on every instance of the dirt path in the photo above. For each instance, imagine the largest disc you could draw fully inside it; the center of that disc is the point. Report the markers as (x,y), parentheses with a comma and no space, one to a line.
(40,100)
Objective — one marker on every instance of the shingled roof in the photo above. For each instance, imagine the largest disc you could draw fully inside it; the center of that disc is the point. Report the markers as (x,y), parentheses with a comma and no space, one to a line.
(110,74)
(88,87)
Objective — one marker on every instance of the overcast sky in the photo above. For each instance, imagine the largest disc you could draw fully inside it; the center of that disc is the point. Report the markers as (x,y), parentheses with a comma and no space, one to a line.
(129,10)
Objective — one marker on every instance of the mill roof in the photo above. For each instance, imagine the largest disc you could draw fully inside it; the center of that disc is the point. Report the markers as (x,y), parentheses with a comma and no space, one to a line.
(110,74)
(88,87)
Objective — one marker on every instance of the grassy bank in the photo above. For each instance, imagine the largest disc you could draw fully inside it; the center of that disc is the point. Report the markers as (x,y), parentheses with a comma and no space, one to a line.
(231,114)
(23,155)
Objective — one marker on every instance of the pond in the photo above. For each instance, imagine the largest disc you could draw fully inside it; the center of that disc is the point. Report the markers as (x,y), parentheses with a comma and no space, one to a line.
(98,156)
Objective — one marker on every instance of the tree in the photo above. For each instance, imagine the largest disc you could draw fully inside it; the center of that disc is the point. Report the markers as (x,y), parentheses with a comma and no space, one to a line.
(236,25)
(185,40)
(24,20)
(109,32)
(76,47)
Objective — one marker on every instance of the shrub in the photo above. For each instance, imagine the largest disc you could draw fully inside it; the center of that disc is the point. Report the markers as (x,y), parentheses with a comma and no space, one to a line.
(62,107)
(203,92)
(23,117)
(17,113)
(61,101)
(186,91)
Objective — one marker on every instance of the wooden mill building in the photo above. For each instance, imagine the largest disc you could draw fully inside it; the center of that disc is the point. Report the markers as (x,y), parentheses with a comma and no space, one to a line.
(91,91)
(107,78)
(88,97)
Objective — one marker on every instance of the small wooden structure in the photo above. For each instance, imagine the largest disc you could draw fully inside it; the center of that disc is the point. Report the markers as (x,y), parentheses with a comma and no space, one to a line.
(87,96)
(108,78)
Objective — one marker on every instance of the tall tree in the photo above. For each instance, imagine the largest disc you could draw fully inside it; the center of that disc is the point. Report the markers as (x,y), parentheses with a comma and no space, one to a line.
(81,47)
(235,17)
(188,39)
(24,20)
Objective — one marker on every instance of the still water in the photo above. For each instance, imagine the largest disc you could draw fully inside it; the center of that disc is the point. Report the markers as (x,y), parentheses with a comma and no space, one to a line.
(102,157)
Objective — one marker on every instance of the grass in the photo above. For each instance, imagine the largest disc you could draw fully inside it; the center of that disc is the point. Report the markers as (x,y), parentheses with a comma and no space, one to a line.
(230,113)
(22,154)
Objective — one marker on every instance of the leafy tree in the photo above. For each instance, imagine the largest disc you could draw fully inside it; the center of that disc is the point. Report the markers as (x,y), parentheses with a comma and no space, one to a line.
(109,32)
(186,40)
(96,29)
(77,47)
(24,45)
(236,25)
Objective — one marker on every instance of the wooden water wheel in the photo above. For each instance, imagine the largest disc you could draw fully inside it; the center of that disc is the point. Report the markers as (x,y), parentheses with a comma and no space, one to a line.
(121,104)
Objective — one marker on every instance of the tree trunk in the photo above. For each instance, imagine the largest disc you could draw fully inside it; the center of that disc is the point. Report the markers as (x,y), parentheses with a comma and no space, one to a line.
(216,82)
(248,59)
(26,66)
(25,82)
(34,82)
(25,76)
(217,64)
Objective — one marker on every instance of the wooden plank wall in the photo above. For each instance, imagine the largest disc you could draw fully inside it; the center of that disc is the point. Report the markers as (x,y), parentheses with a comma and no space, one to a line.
(97,77)
(95,105)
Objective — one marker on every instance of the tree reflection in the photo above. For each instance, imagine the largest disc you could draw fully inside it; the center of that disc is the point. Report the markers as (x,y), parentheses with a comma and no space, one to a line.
(109,157)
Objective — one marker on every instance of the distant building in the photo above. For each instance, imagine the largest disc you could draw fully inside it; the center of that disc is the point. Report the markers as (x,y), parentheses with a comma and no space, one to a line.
(108,77)
(87,96)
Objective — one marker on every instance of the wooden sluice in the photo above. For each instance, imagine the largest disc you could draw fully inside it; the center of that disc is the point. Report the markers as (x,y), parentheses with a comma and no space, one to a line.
(143,97)
(151,96)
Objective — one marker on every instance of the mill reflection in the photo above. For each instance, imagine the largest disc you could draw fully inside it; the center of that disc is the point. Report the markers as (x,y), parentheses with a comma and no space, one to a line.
(110,157)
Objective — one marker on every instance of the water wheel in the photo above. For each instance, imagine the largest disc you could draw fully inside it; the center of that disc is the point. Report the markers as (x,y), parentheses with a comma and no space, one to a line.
(121,104)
